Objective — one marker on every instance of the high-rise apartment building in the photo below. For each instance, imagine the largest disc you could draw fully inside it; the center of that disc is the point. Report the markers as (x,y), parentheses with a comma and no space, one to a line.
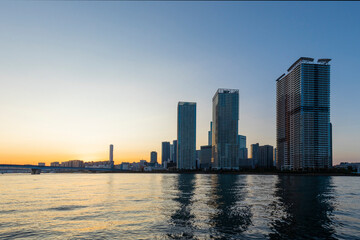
(266,156)
(330,145)
(165,152)
(242,141)
(210,135)
(255,154)
(303,116)
(275,157)
(186,135)
(174,152)
(153,157)
(171,152)
(205,157)
(243,151)
(225,146)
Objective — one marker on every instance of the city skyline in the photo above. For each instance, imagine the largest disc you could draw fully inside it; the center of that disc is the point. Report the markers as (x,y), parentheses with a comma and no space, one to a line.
(113,73)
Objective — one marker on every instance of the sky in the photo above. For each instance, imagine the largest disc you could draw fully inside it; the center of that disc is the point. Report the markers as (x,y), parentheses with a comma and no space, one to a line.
(78,76)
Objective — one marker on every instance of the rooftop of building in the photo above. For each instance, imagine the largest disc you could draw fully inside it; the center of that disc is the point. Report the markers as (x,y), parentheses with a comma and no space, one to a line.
(227,90)
(187,103)
(321,61)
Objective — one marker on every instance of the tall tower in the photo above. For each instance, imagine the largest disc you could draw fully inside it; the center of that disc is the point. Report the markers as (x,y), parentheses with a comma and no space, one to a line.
(175,146)
(111,156)
(165,152)
(225,146)
(255,154)
(243,151)
(153,157)
(186,135)
(303,116)
(210,135)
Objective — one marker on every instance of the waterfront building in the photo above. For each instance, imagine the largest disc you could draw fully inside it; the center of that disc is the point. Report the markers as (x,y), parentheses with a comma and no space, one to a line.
(171,152)
(198,159)
(111,156)
(210,135)
(73,163)
(55,164)
(243,151)
(143,163)
(242,141)
(254,154)
(153,157)
(41,164)
(205,157)
(186,135)
(266,156)
(275,157)
(165,152)
(355,166)
(174,153)
(97,164)
(303,116)
(125,166)
(330,145)
(225,146)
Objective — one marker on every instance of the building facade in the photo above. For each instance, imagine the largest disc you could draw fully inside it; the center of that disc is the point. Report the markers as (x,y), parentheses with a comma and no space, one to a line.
(243,152)
(186,135)
(255,154)
(165,152)
(73,163)
(210,135)
(266,156)
(303,116)
(205,157)
(174,153)
(225,146)
(111,156)
(153,157)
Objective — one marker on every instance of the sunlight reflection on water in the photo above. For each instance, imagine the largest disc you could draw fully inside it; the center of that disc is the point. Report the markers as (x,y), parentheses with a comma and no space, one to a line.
(178,206)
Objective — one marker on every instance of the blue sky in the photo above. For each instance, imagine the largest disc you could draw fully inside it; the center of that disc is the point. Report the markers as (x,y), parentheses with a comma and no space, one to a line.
(77,76)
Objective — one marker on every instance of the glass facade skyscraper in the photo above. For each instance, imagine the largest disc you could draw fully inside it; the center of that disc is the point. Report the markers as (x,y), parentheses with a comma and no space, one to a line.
(303,116)
(165,152)
(210,135)
(225,146)
(186,135)
(266,156)
(243,151)
(255,154)
(173,152)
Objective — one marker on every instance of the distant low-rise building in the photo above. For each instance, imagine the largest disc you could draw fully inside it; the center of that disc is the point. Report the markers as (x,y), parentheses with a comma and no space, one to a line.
(354,166)
(143,163)
(125,166)
(98,164)
(73,163)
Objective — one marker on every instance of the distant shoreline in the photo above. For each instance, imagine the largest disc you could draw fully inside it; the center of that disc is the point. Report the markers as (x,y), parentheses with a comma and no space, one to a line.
(212,172)
(253,173)
(335,172)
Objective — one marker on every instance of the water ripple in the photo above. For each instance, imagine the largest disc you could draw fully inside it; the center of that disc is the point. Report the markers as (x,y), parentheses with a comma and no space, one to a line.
(179,206)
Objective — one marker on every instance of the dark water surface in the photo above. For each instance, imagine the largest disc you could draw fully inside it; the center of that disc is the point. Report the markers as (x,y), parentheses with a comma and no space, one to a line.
(178,206)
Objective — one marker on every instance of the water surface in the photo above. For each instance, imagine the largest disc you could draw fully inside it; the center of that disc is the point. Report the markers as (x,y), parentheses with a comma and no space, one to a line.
(178,206)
